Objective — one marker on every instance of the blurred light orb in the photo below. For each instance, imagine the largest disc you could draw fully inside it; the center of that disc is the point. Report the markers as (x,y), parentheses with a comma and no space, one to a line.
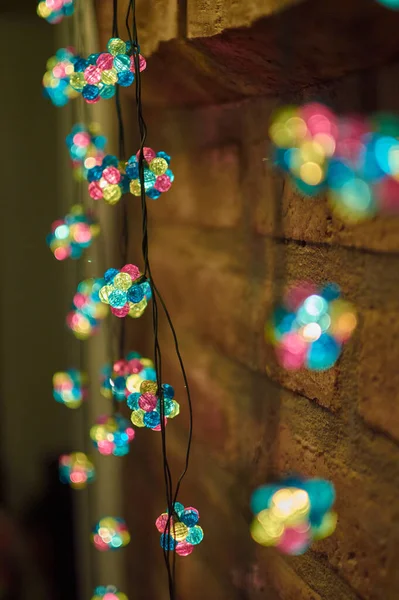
(112,434)
(127,291)
(86,146)
(126,375)
(110,533)
(108,592)
(292,514)
(70,387)
(394,4)
(97,76)
(181,532)
(310,327)
(107,180)
(158,177)
(56,78)
(353,159)
(74,233)
(76,469)
(55,10)
(87,309)
(147,408)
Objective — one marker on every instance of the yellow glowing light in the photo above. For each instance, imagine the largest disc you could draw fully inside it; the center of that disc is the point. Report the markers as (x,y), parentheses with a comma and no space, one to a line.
(327,526)
(290,505)
(311,173)
(326,141)
(137,417)
(311,332)
(311,151)
(179,531)
(133,383)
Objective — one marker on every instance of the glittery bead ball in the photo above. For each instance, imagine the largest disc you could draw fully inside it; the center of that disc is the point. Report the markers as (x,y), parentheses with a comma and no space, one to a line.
(158,177)
(71,235)
(70,387)
(107,180)
(56,79)
(112,435)
(310,327)
(87,309)
(147,408)
(126,375)
(180,532)
(108,592)
(76,469)
(86,148)
(110,533)
(55,10)
(293,514)
(97,76)
(126,291)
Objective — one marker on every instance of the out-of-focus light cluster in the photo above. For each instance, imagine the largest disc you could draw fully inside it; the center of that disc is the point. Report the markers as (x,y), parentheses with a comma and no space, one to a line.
(97,76)
(110,533)
(125,376)
(394,4)
(158,177)
(112,434)
(76,469)
(356,159)
(70,387)
(293,514)
(146,406)
(71,235)
(56,78)
(310,327)
(87,309)
(86,148)
(126,291)
(183,533)
(109,592)
(55,10)
(108,180)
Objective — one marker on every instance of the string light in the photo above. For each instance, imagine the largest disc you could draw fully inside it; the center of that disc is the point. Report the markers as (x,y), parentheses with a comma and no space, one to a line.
(109,592)
(184,531)
(56,78)
(70,387)
(125,376)
(310,327)
(87,309)
(110,533)
(293,514)
(126,291)
(74,233)
(86,146)
(76,469)
(158,177)
(55,10)
(112,434)
(108,180)
(146,405)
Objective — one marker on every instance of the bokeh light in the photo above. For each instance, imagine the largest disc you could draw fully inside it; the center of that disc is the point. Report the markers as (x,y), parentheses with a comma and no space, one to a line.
(108,180)
(292,514)
(310,327)
(110,533)
(74,233)
(76,469)
(126,291)
(70,387)
(394,4)
(158,177)
(55,10)
(87,309)
(86,148)
(108,592)
(97,76)
(56,78)
(112,434)
(146,405)
(126,375)
(183,532)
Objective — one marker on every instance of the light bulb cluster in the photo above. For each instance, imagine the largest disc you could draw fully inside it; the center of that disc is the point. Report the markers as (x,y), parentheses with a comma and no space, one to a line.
(125,376)
(293,514)
(108,180)
(74,233)
(126,291)
(56,78)
(112,434)
(55,10)
(158,177)
(87,309)
(108,592)
(86,146)
(310,327)
(146,405)
(76,469)
(110,533)
(70,387)
(181,532)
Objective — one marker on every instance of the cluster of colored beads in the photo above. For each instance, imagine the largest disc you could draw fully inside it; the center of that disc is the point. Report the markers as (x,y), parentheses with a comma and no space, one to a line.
(291,515)
(310,327)
(56,78)
(112,435)
(87,309)
(109,592)
(70,387)
(125,376)
(355,159)
(55,10)
(76,469)
(71,235)
(182,533)
(146,405)
(158,178)
(126,291)
(108,180)
(110,533)
(86,148)
(97,76)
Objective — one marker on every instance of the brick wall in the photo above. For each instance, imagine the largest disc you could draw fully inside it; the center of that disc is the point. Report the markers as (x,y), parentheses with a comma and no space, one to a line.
(224,242)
